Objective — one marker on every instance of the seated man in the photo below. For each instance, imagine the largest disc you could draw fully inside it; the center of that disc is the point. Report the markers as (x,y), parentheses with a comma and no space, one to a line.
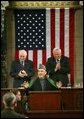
(42,82)
(9,100)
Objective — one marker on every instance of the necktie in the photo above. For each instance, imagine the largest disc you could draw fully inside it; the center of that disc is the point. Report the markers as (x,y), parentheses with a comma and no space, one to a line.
(22,63)
(58,60)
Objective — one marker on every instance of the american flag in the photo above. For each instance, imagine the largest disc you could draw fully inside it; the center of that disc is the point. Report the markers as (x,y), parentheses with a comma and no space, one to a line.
(38,31)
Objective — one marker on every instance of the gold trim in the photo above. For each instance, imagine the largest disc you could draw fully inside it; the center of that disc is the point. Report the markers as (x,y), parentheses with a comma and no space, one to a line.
(44,4)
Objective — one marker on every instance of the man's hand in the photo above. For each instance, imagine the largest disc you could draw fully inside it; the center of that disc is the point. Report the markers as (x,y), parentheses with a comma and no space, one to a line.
(59,84)
(25,84)
(22,73)
(58,66)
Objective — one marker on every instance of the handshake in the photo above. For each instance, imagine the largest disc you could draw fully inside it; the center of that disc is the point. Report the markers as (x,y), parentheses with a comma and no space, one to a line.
(22,73)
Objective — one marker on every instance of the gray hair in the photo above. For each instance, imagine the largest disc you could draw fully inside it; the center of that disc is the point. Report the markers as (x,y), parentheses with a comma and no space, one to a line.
(57,49)
(9,99)
(22,52)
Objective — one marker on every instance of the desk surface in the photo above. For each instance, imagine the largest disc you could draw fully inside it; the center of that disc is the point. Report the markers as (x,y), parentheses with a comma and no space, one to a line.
(65,88)
(55,114)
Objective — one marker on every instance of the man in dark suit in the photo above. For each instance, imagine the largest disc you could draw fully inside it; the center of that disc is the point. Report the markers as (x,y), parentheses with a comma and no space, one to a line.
(58,67)
(42,82)
(21,69)
(9,100)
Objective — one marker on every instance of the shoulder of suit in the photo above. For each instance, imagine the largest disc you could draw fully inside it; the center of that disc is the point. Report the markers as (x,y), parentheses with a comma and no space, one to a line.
(29,60)
(51,58)
(65,57)
(14,61)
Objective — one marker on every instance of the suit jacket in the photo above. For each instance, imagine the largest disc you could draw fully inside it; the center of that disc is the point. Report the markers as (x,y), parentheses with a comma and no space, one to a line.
(61,74)
(9,113)
(36,85)
(16,67)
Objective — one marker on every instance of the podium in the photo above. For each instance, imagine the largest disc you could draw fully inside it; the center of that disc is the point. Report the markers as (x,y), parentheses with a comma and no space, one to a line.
(45,100)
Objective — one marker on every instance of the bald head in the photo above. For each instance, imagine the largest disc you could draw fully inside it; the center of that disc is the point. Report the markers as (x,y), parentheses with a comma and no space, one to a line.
(22,55)
(57,53)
